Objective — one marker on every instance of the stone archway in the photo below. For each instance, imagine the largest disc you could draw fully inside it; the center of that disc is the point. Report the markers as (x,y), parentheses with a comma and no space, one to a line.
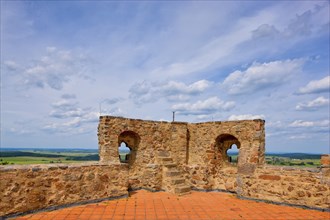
(223,143)
(132,141)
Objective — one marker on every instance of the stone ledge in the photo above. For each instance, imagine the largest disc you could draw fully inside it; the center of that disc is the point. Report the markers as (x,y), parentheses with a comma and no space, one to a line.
(289,168)
(228,122)
(140,120)
(178,122)
(39,167)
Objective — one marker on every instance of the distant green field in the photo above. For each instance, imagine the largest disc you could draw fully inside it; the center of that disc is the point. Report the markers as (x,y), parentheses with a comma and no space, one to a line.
(64,154)
(122,156)
(34,160)
(285,161)
(44,157)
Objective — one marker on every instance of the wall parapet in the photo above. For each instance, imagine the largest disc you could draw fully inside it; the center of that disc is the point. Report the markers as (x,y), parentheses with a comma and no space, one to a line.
(308,187)
(25,188)
(105,117)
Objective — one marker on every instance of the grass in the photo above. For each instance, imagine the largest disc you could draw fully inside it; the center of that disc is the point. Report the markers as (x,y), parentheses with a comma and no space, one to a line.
(34,156)
(64,154)
(34,160)
(284,161)
(122,156)
(58,157)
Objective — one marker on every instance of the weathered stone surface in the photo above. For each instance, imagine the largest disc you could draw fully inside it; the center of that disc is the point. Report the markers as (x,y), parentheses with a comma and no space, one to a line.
(301,193)
(49,187)
(182,144)
(170,156)
(290,188)
(295,186)
(246,169)
(269,177)
(325,160)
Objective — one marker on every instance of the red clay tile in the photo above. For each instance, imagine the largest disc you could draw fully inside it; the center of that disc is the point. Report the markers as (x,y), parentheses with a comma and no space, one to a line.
(197,205)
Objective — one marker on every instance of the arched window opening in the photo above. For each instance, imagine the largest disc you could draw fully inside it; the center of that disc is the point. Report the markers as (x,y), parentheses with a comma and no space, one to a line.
(227,149)
(232,154)
(130,140)
(124,152)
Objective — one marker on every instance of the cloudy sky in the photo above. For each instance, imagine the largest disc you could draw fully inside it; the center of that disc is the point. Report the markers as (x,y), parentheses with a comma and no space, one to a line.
(208,61)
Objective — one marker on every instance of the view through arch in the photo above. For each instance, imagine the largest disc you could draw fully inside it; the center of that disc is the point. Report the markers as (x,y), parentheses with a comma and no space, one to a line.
(124,152)
(232,154)
(223,143)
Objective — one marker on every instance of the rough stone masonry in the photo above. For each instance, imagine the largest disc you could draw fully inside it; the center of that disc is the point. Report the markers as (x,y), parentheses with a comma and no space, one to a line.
(172,156)
(179,156)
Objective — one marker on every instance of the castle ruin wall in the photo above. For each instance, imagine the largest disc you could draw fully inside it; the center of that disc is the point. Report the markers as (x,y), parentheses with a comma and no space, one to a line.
(198,149)
(188,144)
(26,188)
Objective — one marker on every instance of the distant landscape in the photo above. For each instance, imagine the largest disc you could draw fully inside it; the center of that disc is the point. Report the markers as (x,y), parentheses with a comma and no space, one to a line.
(11,156)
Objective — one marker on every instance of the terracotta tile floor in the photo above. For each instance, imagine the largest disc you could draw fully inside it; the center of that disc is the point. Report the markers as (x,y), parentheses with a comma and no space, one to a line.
(197,205)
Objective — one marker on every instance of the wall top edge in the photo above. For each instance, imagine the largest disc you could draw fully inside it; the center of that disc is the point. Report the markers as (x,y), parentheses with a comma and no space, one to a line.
(178,122)
(38,167)
(291,168)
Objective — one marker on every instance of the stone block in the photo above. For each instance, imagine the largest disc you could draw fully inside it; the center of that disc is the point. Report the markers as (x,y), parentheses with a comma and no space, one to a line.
(246,169)
(182,189)
(325,160)
(269,177)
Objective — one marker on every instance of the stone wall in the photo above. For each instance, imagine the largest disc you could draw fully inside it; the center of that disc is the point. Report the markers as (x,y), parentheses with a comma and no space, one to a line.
(206,178)
(199,144)
(297,186)
(164,153)
(32,187)
(145,139)
(307,187)
(207,144)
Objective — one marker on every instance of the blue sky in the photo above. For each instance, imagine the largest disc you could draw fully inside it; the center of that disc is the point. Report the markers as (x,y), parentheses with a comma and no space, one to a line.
(210,60)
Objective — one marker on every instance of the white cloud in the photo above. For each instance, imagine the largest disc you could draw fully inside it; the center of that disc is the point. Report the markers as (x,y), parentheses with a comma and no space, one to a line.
(265,31)
(179,87)
(111,101)
(301,123)
(274,124)
(147,91)
(11,65)
(261,76)
(67,114)
(309,21)
(76,125)
(278,30)
(176,52)
(67,107)
(210,105)
(54,69)
(68,96)
(21,131)
(50,49)
(65,104)
(316,86)
(117,111)
(65,127)
(245,117)
(300,136)
(314,104)
(203,117)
